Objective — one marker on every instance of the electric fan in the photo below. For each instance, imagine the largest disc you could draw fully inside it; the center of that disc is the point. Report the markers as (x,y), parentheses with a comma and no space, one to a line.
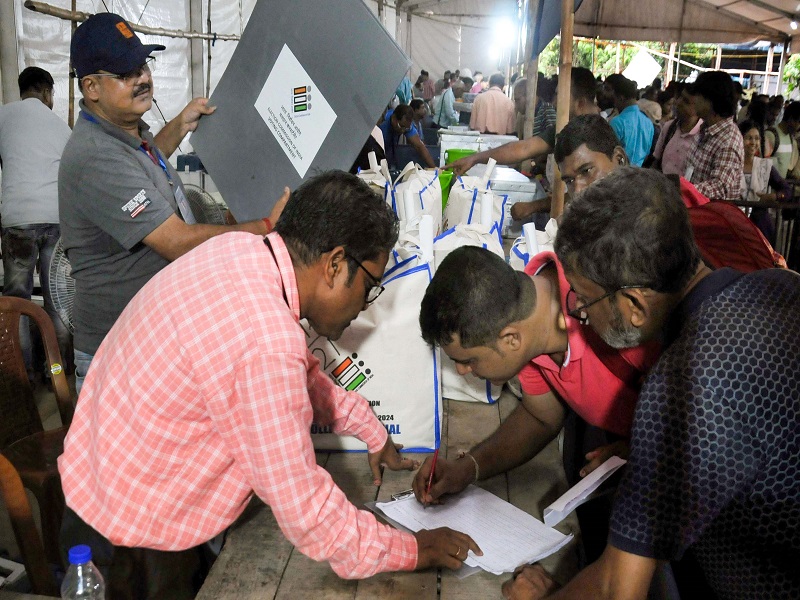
(204,208)
(62,285)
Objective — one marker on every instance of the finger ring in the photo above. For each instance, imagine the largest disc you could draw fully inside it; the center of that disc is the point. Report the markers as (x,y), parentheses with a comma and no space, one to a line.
(458,551)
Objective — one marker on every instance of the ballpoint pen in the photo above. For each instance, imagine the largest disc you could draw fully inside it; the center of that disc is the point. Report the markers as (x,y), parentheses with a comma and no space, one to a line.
(433,470)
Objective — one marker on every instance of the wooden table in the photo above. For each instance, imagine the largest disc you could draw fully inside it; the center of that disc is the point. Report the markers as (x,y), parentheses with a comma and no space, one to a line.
(258,562)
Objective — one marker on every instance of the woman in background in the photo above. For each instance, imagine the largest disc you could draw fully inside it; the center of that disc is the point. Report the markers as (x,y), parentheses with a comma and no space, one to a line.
(760,180)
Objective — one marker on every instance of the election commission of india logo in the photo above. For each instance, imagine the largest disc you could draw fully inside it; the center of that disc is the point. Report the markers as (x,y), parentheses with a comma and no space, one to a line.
(301,97)
(351,373)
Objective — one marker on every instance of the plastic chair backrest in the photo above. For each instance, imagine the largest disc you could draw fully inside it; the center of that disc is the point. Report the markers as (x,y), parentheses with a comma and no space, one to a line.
(25,532)
(17,406)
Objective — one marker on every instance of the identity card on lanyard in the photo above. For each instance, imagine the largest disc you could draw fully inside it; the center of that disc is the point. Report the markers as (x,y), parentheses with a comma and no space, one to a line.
(183,205)
(177,190)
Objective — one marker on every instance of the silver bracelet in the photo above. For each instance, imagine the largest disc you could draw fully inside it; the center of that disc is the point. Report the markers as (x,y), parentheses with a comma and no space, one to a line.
(475,462)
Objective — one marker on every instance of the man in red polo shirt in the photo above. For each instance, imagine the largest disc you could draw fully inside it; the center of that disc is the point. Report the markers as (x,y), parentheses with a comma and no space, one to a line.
(531,329)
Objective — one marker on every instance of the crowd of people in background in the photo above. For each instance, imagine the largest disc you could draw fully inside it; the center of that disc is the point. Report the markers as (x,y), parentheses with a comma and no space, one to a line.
(702,130)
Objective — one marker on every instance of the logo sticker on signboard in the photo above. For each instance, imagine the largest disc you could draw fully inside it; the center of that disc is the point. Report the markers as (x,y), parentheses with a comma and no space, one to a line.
(300,125)
(302,100)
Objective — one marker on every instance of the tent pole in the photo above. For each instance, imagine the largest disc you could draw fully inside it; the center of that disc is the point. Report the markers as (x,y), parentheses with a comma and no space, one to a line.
(768,69)
(196,48)
(782,66)
(718,62)
(76,15)
(70,81)
(208,52)
(564,94)
(532,69)
(398,24)
(670,62)
(9,59)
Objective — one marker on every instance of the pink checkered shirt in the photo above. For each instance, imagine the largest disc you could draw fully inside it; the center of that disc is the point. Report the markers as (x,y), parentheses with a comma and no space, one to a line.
(717,161)
(204,392)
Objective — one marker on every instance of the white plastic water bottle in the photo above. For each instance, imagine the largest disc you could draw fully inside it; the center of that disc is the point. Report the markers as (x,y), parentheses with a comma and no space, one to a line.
(83,580)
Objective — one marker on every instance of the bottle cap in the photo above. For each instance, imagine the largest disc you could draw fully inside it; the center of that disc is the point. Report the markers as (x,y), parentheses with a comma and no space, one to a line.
(80,554)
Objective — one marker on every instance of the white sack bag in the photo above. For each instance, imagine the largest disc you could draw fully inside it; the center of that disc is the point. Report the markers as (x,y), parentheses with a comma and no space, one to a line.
(426,192)
(541,241)
(415,240)
(383,357)
(466,198)
(377,176)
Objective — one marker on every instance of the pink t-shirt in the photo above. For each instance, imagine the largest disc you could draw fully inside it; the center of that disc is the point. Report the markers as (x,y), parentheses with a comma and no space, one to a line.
(493,112)
(674,155)
(584,382)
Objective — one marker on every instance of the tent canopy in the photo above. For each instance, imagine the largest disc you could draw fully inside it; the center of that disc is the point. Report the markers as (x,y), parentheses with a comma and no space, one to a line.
(711,21)
(436,34)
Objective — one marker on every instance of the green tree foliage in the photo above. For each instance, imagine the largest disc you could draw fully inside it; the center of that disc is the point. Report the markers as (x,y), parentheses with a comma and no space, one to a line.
(791,73)
(605,56)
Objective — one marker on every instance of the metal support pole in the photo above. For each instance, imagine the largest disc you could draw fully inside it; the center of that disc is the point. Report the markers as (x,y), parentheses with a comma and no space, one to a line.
(718,62)
(407,45)
(398,23)
(782,66)
(9,59)
(670,62)
(196,48)
(768,69)
(72,82)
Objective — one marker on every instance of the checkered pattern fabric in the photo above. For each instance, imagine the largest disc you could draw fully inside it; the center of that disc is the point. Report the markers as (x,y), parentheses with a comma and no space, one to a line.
(717,161)
(204,392)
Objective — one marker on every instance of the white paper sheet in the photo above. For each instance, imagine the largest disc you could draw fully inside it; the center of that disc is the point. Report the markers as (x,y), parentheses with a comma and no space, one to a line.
(579,493)
(508,536)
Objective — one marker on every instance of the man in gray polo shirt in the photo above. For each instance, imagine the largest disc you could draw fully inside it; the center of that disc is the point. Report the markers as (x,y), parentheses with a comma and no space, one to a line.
(124,215)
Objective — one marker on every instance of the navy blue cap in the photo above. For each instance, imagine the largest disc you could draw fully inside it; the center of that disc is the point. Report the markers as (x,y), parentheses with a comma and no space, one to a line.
(105,42)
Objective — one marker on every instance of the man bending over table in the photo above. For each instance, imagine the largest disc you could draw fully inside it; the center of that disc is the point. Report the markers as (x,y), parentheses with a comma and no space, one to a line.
(203,393)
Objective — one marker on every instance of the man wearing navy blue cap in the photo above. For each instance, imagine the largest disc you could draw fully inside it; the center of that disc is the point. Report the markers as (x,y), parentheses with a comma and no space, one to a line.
(124,215)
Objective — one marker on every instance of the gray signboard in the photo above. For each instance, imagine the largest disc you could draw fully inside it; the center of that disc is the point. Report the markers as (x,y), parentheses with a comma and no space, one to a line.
(307,83)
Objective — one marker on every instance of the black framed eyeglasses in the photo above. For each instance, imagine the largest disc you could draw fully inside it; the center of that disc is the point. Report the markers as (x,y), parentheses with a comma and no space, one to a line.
(579,311)
(376,290)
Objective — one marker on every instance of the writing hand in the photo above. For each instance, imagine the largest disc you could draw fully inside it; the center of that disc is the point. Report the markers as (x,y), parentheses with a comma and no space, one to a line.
(391,458)
(450,477)
(443,547)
